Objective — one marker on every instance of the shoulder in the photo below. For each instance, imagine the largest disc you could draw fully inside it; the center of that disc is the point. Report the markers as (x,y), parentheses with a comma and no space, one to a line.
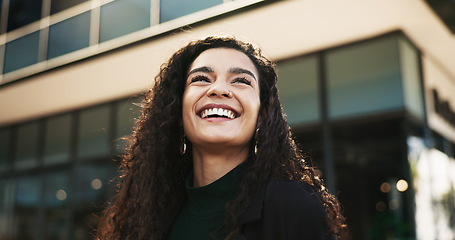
(290,191)
(294,201)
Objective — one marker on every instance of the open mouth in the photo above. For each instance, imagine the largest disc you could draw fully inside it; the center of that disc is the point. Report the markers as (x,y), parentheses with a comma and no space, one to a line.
(217,113)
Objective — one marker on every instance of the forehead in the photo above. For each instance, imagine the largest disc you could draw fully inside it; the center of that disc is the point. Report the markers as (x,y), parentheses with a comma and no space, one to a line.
(223,59)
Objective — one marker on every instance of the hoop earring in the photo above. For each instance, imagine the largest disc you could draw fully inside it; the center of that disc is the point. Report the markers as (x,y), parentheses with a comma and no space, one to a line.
(256,141)
(183,146)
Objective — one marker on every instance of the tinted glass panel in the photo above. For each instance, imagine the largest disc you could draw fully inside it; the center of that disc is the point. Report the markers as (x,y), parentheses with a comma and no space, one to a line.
(6,207)
(60,5)
(69,35)
(364,78)
(26,145)
(26,203)
(298,85)
(122,17)
(4,148)
(171,9)
(56,197)
(93,132)
(21,52)
(409,60)
(93,189)
(23,12)
(127,113)
(57,143)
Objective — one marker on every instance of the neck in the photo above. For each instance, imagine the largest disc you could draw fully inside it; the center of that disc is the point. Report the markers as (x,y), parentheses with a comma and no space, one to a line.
(210,165)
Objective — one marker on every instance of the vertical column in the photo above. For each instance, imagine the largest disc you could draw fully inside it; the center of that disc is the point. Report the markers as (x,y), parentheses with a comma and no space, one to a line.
(330,178)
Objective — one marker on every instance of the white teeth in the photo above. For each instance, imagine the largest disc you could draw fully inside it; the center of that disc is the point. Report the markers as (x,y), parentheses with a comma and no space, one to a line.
(217,111)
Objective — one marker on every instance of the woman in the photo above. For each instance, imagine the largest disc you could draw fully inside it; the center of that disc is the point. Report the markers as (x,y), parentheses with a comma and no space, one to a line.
(212,157)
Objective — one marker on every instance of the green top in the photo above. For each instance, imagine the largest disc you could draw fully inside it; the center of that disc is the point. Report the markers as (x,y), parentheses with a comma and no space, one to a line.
(203,211)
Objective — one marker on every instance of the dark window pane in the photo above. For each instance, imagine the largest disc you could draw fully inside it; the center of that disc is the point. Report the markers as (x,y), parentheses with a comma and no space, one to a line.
(60,5)
(127,113)
(23,12)
(93,189)
(93,132)
(57,143)
(6,206)
(21,52)
(26,203)
(171,9)
(122,17)
(4,148)
(298,84)
(56,197)
(364,78)
(69,35)
(26,145)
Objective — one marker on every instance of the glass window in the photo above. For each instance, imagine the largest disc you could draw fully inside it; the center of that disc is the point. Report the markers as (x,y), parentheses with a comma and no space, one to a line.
(122,17)
(56,196)
(171,9)
(60,5)
(93,136)
(23,12)
(69,35)
(26,145)
(94,188)
(6,207)
(26,204)
(298,86)
(364,78)
(409,60)
(57,142)
(21,52)
(127,113)
(4,148)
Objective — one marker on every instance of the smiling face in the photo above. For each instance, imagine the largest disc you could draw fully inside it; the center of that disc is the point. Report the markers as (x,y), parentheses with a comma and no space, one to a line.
(221,99)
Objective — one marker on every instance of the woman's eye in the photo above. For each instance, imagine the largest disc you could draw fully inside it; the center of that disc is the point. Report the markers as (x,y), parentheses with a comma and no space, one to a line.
(242,80)
(199,79)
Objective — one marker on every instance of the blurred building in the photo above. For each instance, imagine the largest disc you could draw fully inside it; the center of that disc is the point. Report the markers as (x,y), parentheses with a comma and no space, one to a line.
(368,88)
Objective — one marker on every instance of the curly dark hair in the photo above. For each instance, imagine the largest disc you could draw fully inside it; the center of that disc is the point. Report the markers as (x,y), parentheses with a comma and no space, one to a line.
(153,171)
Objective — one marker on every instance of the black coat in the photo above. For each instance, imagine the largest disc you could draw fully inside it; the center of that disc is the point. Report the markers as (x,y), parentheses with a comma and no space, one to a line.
(281,209)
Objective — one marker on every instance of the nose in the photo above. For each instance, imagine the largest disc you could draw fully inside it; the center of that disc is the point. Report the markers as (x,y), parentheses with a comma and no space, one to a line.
(219,88)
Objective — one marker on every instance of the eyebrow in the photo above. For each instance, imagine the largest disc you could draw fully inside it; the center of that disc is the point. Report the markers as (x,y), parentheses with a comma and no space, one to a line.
(232,70)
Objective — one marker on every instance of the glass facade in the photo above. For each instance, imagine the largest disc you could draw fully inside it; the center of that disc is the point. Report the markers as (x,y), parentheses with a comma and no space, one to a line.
(21,52)
(42,39)
(119,18)
(172,9)
(63,171)
(69,35)
(23,12)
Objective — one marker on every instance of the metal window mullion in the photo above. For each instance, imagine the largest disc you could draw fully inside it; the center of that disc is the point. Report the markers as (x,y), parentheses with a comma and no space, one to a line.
(95,23)
(154,12)
(44,30)
(326,127)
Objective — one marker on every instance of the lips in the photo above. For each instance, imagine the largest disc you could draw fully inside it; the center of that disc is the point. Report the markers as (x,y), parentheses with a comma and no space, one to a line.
(217,111)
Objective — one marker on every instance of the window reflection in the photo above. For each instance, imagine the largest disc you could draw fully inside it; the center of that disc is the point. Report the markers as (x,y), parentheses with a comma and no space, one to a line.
(26,145)
(93,132)
(60,5)
(57,142)
(4,148)
(69,35)
(171,9)
(25,12)
(26,204)
(57,194)
(127,112)
(122,17)
(21,52)
(93,187)
(298,86)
